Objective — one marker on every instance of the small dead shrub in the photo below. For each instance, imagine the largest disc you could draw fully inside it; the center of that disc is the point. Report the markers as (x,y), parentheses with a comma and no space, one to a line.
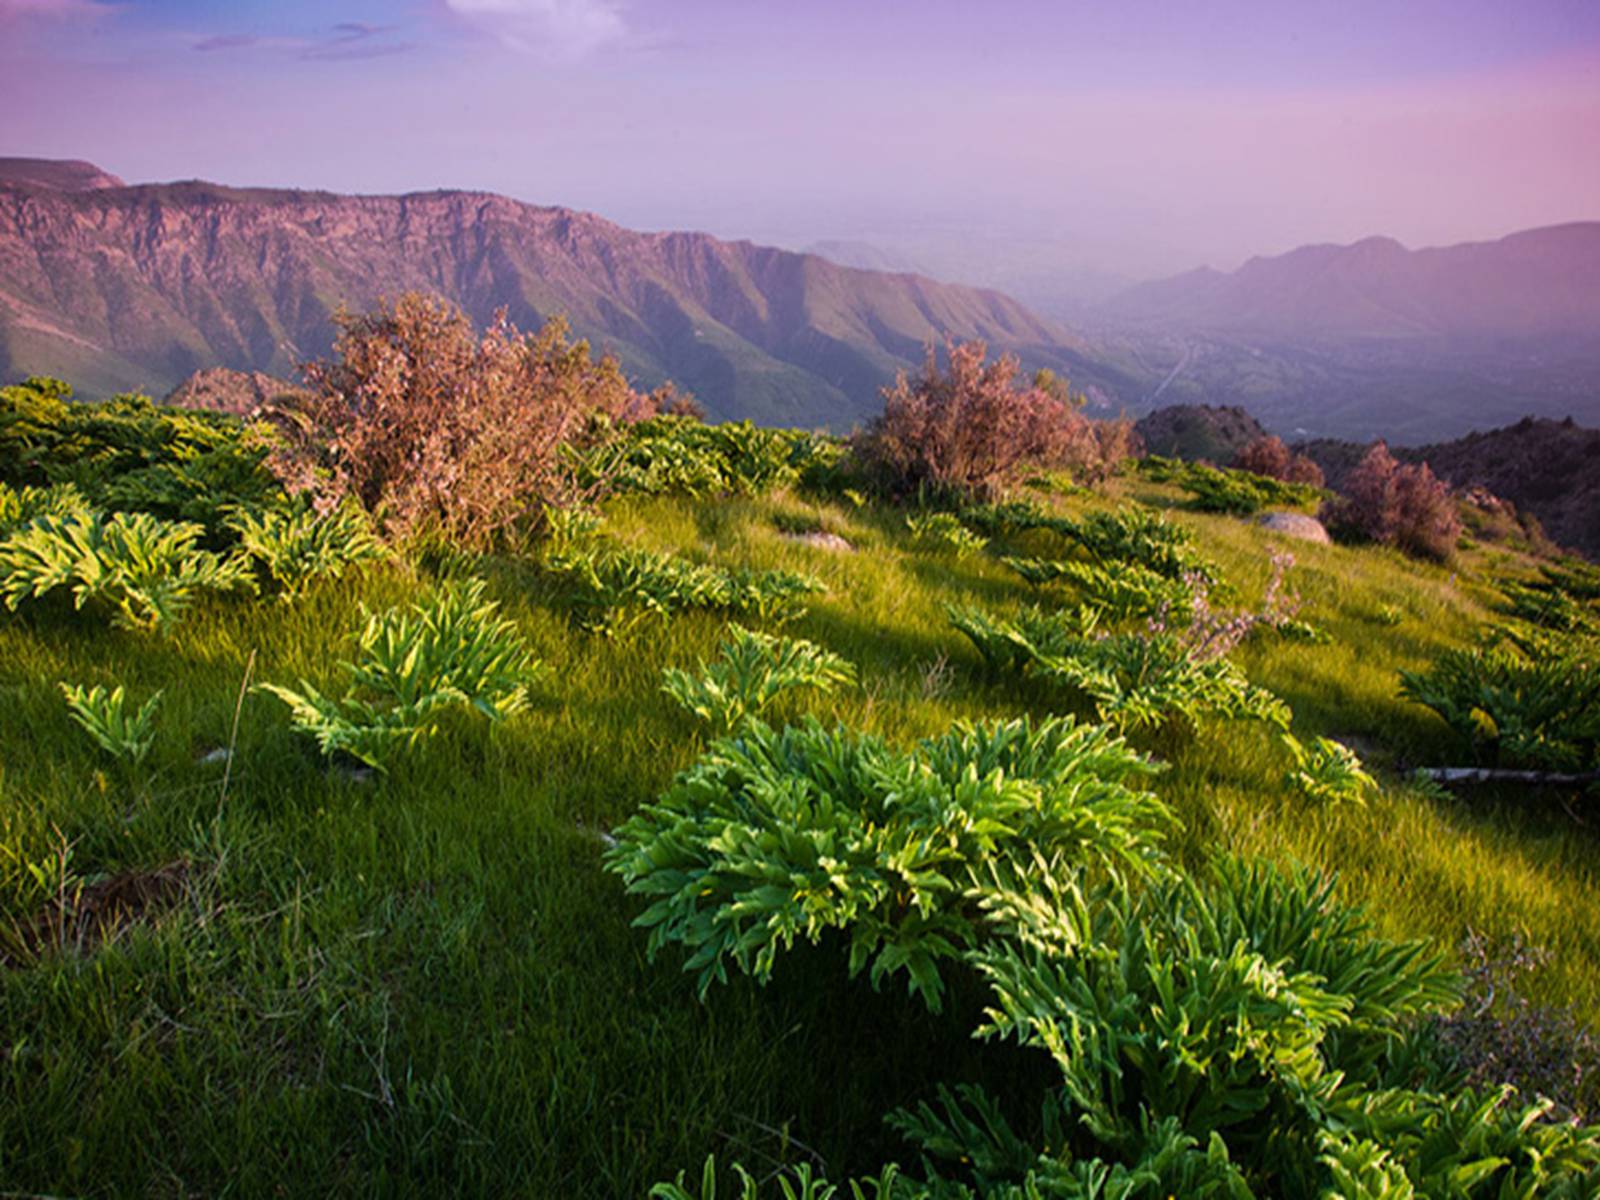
(438,430)
(1399,505)
(970,431)
(1499,1036)
(1269,457)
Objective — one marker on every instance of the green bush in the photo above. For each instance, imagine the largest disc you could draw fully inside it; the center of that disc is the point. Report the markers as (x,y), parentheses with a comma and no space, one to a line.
(1327,771)
(754,670)
(130,454)
(105,716)
(944,530)
(1243,492)
(918,856)
(296,546)
(1511,708)
(677,455)
(146,571)
(1116,594)
(1135,680)
(21,506)
(616,587)
(452,651)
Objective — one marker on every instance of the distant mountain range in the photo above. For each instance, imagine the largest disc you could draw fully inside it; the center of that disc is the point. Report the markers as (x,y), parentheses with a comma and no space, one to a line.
(115,287)
(1373,339)
(118,287)
(1544,283)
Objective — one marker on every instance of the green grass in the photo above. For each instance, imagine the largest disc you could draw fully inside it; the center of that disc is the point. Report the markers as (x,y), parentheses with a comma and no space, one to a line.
(425,983)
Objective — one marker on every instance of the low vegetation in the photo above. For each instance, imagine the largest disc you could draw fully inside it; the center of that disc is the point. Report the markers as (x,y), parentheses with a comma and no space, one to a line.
(1066,846)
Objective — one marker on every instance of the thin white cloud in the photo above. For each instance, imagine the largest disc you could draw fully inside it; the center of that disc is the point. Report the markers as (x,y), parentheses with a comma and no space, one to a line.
(573,27)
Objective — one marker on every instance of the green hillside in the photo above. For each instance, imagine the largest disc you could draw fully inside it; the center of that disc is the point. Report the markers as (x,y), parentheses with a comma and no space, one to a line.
(281,974)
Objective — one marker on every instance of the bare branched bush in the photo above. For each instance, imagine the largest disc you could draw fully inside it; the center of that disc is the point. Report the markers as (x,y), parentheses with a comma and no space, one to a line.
(1399,505)
(971,431)
(436,429)
(1499,1036)
(1268,456)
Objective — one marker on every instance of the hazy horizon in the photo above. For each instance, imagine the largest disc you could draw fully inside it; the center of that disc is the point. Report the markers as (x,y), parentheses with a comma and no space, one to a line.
(1032,146)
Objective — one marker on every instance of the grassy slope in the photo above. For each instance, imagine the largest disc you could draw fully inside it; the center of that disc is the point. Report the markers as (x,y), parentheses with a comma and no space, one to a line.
(427,983)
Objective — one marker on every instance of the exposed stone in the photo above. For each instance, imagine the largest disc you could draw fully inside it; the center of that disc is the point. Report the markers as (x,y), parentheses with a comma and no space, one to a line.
(1295,525)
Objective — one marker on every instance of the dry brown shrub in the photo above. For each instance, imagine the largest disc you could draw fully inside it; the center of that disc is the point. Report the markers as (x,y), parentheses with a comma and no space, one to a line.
(970,431)
(1268,456)
(437,429)
(1398,505)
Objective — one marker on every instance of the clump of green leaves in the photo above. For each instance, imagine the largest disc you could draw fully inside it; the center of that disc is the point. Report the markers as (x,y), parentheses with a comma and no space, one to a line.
(130,454)
(753,671)
(1387,614)
(1545,605)
(679,455)
(616,587)
(123,732)
(1241,493)
(1513,708)
(917,855)
(144,570)
(1135,680)
(21,506)
(297,546)
(1326,771)
(806,1185)
(453,651)
(945,530)
(1120,593)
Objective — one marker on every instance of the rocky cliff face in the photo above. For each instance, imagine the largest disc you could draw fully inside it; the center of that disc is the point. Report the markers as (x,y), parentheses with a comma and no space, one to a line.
(137,287)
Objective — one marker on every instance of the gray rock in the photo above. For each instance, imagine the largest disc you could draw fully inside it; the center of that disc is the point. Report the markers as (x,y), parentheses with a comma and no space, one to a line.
(1295,525)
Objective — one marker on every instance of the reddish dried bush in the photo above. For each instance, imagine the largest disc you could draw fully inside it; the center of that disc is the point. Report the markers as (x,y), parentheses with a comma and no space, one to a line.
(972,431)
(437,429)
(1404,506)
(1268,456)
(1096,457)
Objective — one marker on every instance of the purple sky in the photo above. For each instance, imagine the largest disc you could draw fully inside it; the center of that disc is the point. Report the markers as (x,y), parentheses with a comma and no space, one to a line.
(995,138)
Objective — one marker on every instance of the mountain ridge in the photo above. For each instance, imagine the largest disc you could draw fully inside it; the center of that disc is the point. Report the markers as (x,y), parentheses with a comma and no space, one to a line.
(1543,285)
(143,284)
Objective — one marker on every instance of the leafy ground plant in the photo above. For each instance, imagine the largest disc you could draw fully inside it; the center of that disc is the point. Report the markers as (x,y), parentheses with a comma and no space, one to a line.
(1516,709)
(753,671)
(1120,593)
(617,587)
(453,651)
(1326,771)
(944,529)
(1243,492)
(918,855)
(146,571)
(114,725)
(1135,680)
(296,546)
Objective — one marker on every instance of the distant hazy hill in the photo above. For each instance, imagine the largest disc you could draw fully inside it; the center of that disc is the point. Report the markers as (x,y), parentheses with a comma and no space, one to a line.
(1540,283)
(124,287)
(1374,340)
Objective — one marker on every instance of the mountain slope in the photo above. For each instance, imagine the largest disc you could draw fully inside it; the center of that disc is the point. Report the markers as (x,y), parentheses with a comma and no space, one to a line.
(1538,283)
(124,287)
(1374,340)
